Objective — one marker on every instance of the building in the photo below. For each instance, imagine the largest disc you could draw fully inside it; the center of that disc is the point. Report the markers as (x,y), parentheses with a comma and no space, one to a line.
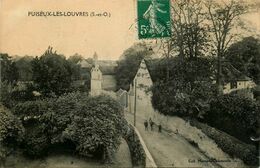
(234,80)
(102,76)
(139,94)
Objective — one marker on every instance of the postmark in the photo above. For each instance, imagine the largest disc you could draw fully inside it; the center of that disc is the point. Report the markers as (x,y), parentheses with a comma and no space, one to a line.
(154,18)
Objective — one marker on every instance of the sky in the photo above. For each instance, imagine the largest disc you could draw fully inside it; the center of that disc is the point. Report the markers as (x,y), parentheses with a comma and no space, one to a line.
(21,34)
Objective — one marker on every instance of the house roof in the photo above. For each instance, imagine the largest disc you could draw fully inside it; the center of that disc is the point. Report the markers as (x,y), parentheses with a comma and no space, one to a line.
(107,67)
(85,64)
(108,70)
(230,73)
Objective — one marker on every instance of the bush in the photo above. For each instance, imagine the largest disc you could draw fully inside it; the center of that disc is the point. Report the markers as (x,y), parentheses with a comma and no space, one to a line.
(96,126)
(36,143)
(91,123)
(137,152)
(31,109)
(238,116)
(230,145)
(11,131)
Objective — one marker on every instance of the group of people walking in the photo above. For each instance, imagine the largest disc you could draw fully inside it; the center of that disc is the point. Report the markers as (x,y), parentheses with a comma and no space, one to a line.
(151,123)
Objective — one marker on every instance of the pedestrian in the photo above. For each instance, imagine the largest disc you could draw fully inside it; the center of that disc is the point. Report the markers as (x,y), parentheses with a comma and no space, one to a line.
(146,125)
(151,124)
(160,128)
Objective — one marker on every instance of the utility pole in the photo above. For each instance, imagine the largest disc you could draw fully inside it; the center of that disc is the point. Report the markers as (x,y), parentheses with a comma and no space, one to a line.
(0,76)
(135,102)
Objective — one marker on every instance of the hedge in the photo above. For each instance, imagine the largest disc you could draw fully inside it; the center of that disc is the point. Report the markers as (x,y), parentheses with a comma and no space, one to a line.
(136,149)
(229,144)
(235,115)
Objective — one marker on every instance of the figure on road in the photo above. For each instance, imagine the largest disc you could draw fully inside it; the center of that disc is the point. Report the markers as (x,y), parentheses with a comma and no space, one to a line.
(146,125)
(159,128)
(151,123)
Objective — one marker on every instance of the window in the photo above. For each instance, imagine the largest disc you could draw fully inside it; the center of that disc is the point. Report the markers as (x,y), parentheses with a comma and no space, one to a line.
(233,85)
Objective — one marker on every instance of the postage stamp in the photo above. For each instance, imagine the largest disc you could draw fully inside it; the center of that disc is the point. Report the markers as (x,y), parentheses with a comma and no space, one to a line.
(154,18)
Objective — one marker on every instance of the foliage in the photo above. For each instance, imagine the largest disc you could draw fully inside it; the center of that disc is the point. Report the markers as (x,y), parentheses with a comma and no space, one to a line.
(187,92)
(11,131)
(75,67)
(93,124)
(244,55)
(137,152)
(238,116)
(230,145)
(24,68)
(129,63)
(5,93)
(99,126)
(10,95)
(36,143)
(189,31)
(223,18)
(76,58)
(31,109)
(52,73)
(8,69)
(36,140)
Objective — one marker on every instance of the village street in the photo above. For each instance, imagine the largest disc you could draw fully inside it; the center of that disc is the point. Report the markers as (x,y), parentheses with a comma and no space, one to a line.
(169,150)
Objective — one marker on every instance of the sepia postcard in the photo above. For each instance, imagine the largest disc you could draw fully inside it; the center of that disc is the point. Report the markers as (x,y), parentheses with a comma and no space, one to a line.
(129,83)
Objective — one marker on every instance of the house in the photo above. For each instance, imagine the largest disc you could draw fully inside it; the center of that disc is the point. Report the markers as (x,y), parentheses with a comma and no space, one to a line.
(234,80)
(139,94)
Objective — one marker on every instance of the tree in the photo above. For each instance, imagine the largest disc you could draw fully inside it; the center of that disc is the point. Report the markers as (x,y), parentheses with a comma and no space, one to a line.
(24,67)
(189,32)
(244,55)
(76,58)
(223,18)
(52,73)
(190,37)
(11,133)
(8,70)
(189,89)
(75,69)
(129,63)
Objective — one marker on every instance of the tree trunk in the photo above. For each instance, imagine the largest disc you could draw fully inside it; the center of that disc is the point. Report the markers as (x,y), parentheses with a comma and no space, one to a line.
(219,74)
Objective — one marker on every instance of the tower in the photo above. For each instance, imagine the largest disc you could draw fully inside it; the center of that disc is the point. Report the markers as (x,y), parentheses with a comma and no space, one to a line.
(96,78)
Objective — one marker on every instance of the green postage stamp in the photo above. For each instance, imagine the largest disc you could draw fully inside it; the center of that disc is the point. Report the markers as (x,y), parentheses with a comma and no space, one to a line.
(153,18)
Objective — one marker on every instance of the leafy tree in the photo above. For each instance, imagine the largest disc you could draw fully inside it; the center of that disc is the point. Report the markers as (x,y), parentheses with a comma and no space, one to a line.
(189,32)
(189,89)
(5,94)
(52,73)
(129,63)
(75,69)
(11,132)
(8,69)
(190,38)
(244,55)
(224,18)
(76,58)
(24,68)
